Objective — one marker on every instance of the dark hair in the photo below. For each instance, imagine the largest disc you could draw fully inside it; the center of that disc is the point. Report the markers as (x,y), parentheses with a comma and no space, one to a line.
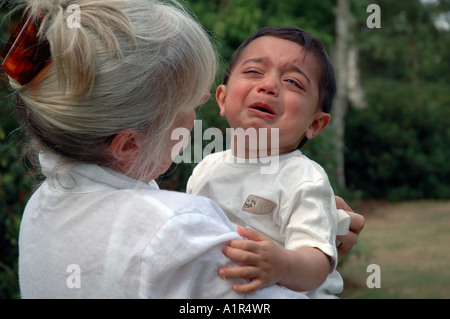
(327,79)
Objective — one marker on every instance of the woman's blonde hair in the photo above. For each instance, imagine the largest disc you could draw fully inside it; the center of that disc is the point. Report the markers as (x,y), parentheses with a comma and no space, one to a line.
(131,64)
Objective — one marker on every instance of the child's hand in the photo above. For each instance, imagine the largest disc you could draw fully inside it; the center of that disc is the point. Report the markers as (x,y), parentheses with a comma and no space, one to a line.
(263,260)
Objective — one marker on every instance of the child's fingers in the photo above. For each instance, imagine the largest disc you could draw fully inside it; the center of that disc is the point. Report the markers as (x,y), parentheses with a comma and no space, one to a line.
(246,272)
(238,253)
(251,234)
(245,245)
(249,287)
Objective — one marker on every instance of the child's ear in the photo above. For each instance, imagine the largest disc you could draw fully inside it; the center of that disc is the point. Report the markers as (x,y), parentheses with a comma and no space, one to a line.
(321,121)
(221,94)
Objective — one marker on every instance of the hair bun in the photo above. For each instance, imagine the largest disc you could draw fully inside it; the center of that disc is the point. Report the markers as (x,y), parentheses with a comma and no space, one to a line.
(73,48)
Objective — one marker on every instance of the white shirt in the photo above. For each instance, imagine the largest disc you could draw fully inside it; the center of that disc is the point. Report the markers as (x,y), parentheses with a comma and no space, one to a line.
(89,232)
(293,205)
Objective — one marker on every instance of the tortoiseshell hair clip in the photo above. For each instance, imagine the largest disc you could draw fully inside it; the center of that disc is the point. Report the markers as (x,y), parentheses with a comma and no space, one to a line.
(25,53)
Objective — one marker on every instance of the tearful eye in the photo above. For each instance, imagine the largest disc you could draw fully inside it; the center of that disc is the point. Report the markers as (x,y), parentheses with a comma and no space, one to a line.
(250,72)
(294,83)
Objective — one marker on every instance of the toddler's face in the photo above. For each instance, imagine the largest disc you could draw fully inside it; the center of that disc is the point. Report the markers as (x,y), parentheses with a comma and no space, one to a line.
(274,85)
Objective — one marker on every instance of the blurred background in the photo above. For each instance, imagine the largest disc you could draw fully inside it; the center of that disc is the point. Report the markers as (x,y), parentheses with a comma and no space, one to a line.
(387,151)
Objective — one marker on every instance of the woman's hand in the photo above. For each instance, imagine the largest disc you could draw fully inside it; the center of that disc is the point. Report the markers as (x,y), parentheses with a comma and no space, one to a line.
(356,226)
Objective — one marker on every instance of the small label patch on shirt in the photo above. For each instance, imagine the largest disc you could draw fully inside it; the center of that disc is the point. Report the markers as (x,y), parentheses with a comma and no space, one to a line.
(258,206)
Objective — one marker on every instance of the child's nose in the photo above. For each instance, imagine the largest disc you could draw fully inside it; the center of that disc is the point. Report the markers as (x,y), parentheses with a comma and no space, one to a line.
(268,86)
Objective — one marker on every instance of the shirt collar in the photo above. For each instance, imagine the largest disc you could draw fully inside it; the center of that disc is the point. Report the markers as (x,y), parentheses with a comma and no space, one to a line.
(266,160)
(81,177)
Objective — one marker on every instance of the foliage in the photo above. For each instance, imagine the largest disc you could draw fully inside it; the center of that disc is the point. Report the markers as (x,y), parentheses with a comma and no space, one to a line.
(15,187)
(232,21)
(398,148)
(408,46)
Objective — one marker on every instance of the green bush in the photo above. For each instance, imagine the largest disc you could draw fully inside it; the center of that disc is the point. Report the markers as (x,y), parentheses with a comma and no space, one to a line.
(398,147)
(15,187)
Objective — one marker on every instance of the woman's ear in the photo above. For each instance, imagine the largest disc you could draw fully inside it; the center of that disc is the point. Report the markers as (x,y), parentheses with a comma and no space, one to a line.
(125,146)
(321,121)
(221,94)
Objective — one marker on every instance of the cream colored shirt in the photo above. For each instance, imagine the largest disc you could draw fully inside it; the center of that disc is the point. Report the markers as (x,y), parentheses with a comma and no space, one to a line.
(89,232)
(293,205)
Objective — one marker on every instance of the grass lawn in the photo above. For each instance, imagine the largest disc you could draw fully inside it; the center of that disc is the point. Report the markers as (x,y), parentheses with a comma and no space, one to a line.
(410,242)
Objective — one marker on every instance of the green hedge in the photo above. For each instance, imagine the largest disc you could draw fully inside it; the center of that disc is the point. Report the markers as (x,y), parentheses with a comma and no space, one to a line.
(398,148)
(15,189)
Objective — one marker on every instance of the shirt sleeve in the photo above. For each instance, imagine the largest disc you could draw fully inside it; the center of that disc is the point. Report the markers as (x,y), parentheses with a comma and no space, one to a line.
(183,259)
(314,219)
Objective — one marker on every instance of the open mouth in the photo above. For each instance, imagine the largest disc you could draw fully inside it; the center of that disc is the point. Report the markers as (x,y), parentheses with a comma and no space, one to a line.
(263,109)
